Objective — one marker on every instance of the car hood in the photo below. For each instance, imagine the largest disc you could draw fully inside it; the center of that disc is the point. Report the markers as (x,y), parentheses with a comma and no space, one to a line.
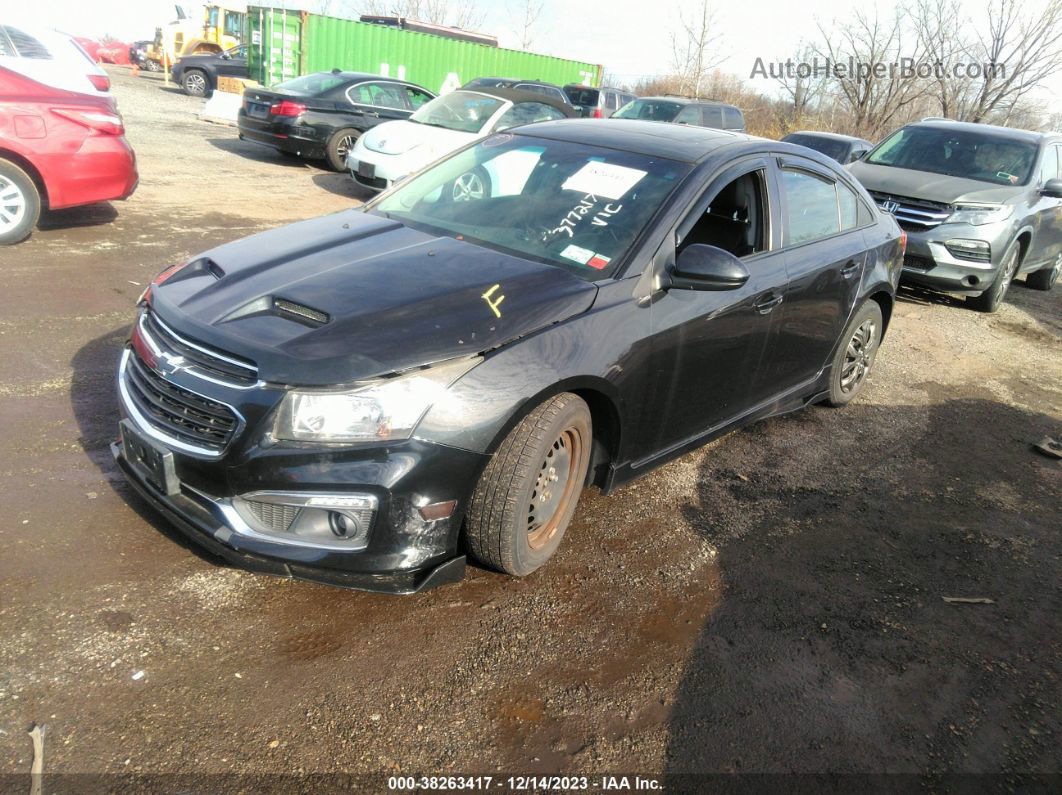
(927,185)
(395,298)
(398,137)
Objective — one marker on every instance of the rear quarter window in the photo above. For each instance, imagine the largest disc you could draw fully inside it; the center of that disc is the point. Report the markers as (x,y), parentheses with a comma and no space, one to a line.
(21,44)
(732,119)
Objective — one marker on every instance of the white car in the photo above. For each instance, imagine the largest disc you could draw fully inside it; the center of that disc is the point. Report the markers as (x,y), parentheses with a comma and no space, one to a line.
(50,57)
(394,150)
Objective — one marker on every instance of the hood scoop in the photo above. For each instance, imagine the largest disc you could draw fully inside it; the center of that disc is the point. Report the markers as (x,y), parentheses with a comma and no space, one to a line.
(308,316)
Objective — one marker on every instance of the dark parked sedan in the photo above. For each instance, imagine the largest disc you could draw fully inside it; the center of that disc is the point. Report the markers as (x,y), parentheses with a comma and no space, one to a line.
(842,148)
(321,115)
(198,74)
(365,398)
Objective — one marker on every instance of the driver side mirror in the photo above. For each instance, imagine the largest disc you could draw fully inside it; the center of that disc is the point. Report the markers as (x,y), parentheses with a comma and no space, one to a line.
(704,267)
(1052,189)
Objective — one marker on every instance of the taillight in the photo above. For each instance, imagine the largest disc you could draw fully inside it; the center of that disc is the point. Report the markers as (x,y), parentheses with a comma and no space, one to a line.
(287,108)
(903,241)
(597,114)
(101,82)
(96,120)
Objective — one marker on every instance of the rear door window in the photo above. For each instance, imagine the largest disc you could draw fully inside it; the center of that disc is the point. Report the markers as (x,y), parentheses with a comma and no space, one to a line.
(713,116)
(691,114)
(812,211)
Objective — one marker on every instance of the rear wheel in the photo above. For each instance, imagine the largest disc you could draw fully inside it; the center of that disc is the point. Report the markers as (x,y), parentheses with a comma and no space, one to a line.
(1045,279)
(527,495)
(990,299)
(20,204)
(855,356)
(195,83)
(338,146)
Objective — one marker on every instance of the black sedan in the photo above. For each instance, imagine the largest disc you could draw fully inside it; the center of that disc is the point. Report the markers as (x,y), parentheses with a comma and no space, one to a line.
(368,397)
(844,149)
(321,115)
(198,75)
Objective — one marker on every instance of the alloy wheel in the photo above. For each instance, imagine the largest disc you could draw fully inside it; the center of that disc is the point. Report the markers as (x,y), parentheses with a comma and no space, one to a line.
(195,83)
(345,144)
(1009,266)
(469,187)
(859,356)
(555,487)
(12,205)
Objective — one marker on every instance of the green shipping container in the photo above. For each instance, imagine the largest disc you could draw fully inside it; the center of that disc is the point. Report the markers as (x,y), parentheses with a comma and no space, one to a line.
(289,43)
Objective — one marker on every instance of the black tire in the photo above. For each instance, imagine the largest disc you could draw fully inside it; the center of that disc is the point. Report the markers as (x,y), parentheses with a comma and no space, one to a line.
(1045,278)
(508,526)
(20,204)
(992,298)
(152,65)
(856,354)
(195,83)
(338,145)
(471,186)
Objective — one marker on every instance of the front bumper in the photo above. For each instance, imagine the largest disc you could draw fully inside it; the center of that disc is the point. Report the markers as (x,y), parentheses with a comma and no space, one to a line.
(205,497)
(929,263)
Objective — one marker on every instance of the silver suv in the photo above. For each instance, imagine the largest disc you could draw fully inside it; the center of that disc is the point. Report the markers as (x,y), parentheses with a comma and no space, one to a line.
(980,204)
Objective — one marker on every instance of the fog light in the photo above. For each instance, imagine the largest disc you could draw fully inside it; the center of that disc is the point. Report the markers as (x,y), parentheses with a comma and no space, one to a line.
(343,525)
(977,250)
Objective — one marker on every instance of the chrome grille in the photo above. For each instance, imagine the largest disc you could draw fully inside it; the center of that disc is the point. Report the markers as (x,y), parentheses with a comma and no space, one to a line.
(198,358)
(273,516)
(913,214)
(179,413)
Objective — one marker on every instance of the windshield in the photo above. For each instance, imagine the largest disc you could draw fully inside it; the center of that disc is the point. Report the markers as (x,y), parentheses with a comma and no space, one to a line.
(649,109)
(311,85)
(584,97)
(830,147)
(458,110)
(579,207)
(957,153)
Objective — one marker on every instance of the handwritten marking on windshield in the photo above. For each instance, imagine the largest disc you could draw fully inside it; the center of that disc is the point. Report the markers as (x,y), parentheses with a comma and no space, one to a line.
(493,303)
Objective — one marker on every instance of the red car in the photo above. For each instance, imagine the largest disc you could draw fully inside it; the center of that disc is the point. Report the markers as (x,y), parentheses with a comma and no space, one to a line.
(58,147)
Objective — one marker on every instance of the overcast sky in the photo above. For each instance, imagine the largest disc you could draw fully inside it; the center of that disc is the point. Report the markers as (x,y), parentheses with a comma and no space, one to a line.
(630,37)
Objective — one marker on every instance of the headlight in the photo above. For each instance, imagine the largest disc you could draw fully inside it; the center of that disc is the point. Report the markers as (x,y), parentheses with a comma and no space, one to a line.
(980,214)
(388,408)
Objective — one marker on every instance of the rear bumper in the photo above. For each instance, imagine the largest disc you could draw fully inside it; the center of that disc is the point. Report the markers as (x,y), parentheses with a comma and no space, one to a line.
(287,140)
(104,169)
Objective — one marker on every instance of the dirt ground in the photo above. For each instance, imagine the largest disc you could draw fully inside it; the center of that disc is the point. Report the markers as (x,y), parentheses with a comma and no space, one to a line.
(770,604)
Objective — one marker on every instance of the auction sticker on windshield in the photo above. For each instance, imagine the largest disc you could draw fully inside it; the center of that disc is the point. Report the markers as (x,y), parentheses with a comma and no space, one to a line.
(603,179)
(577,254)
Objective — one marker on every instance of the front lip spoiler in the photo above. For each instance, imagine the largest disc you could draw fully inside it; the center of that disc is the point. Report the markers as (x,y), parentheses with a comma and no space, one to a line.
(403,583)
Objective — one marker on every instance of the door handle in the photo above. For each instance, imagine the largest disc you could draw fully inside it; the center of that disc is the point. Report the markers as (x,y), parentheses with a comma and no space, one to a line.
(767,303)
(850,269)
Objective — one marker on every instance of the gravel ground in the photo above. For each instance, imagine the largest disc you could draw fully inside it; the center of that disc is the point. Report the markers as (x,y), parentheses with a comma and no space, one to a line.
(772,603)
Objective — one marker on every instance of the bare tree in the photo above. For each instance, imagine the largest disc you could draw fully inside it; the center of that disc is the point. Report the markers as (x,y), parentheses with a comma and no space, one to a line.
(525,16)
(876,94)
(802,87)
(1026,43)
(694,48)
(943,35)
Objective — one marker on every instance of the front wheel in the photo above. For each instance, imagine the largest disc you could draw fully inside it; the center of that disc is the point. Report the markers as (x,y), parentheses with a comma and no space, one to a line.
(527,495)
(991,299)
(856,354)
(195,83)
(20,204)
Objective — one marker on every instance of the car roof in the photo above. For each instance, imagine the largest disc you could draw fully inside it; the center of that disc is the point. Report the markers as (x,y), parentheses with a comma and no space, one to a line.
(689,101)
(515,95)
(831,136)
(689,144)
(1008,133)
